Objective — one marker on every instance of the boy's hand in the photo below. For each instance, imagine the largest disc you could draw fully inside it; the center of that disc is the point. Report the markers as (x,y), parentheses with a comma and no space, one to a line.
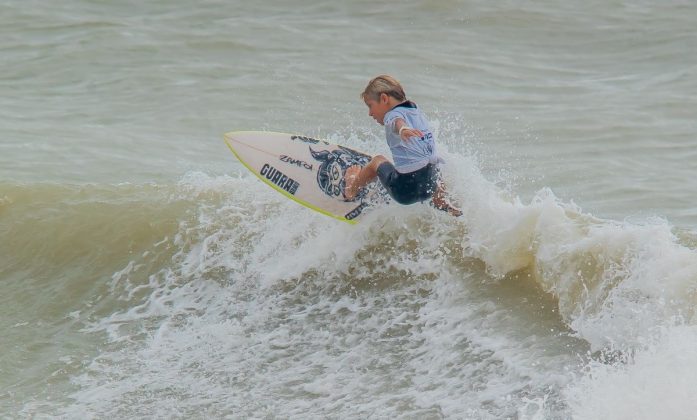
(406,133)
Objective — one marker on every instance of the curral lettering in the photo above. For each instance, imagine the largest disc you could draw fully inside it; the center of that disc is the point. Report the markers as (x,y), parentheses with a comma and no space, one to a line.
(283,181)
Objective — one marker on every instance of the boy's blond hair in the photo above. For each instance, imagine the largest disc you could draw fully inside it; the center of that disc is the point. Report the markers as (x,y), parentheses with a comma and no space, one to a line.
(384,84)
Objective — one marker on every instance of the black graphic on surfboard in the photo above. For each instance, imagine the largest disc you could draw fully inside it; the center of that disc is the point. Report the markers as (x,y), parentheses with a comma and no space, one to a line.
(330,175)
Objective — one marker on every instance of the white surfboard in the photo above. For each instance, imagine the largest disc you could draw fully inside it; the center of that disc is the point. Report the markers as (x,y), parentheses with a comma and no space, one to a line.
(306,170)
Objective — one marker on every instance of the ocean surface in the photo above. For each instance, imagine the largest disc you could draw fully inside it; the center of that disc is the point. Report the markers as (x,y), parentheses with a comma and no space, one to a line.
(144,273)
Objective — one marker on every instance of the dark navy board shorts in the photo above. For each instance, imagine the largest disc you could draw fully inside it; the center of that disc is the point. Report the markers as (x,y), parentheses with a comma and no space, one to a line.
(411,187)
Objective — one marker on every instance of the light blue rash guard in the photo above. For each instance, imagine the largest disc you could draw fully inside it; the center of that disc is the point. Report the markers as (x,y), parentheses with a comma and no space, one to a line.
(416,153)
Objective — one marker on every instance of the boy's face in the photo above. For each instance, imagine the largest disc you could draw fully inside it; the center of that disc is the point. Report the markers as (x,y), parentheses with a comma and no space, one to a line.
(378,109)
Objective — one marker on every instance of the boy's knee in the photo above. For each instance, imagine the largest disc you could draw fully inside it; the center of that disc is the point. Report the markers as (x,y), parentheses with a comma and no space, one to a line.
(378,160)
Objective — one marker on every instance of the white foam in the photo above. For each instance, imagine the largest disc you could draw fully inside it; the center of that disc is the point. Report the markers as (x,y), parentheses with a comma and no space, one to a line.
(657,382)
(264,298)
(313,318)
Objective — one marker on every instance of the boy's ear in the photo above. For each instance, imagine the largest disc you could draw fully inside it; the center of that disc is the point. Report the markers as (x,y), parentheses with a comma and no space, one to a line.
(384,98)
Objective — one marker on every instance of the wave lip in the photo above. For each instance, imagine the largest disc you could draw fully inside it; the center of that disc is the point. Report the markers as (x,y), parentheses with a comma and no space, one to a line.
(614,281)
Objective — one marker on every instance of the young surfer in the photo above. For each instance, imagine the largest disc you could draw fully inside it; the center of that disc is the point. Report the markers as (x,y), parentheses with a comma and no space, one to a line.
(414,176)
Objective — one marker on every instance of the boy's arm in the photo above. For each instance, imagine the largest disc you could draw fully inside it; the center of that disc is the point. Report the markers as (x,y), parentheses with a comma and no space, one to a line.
(405,132)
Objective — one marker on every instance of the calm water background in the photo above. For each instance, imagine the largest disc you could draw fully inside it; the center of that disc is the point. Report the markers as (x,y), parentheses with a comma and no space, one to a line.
(145,273)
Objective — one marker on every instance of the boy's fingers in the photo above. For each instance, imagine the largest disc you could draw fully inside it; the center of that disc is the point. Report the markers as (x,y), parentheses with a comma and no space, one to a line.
(414,133)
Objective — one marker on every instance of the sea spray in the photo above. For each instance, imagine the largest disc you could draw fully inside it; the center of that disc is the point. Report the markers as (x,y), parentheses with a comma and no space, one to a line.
(614,281)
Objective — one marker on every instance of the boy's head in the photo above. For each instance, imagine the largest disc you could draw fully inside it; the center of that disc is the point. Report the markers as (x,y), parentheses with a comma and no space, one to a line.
(381,94)
(384,84)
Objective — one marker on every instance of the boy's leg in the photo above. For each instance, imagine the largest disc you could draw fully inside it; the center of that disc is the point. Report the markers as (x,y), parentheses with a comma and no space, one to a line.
(357,177)
(440,201)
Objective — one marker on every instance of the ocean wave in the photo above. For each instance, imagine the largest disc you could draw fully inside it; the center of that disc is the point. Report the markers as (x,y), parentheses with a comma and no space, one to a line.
(213,257)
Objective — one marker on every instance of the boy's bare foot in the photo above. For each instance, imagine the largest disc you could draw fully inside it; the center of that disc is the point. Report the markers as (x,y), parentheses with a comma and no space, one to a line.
(351,182)
(454,212)
(448,208)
